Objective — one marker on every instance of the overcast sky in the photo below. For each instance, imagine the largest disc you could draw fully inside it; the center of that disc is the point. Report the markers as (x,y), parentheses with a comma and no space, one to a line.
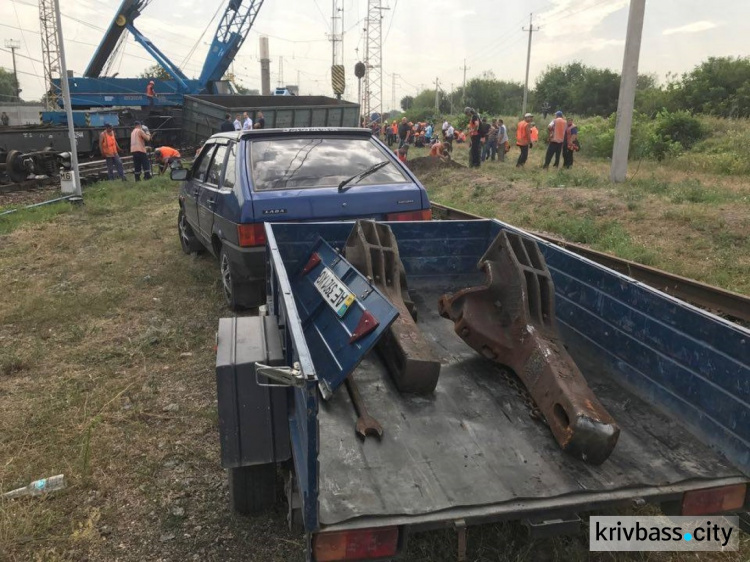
(423,39)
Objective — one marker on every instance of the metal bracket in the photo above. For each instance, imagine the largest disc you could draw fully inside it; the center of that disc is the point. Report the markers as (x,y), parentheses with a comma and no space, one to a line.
(285,376)
(511,320)
(373,250)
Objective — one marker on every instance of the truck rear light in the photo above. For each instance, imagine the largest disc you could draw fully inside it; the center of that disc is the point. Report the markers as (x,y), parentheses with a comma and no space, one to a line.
(361,544)
(714,500)
(423,215)
(251,234)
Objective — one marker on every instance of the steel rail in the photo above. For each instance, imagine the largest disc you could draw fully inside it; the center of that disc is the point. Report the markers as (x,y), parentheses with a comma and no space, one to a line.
(726,303)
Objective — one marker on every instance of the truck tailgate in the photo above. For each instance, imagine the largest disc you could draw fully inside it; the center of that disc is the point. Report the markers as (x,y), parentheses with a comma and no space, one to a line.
(472,448)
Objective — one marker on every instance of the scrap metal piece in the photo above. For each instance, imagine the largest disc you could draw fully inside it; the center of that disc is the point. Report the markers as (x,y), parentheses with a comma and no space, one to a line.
(372,249)
(511,320)
(366,424)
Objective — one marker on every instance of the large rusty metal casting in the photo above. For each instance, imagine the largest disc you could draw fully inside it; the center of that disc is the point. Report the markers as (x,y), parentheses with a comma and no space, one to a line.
(372,249)
(511,320)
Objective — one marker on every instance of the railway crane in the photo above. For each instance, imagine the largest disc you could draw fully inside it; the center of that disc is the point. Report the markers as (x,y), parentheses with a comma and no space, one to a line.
(95,89)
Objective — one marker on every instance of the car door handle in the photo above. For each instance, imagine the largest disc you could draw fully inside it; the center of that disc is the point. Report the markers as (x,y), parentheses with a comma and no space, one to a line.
(196,191)
(210,202)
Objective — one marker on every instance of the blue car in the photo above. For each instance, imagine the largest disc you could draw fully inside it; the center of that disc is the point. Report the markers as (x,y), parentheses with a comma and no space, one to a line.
(242,179)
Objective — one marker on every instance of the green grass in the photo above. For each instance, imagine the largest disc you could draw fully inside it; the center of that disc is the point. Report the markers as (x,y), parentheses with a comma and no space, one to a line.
(109,323)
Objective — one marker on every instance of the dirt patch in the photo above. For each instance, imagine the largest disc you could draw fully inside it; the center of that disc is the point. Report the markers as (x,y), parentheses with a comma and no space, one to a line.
(429,164)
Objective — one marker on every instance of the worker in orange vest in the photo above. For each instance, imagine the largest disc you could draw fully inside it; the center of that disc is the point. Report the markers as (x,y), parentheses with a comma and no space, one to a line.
(534,133)
(111,151)
(523,139)
(571,145)
(439,149)
(556,139)
(476,138)
(150,94)
(166,156)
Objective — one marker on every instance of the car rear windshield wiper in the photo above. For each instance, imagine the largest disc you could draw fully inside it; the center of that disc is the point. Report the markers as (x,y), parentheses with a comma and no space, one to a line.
(362,175)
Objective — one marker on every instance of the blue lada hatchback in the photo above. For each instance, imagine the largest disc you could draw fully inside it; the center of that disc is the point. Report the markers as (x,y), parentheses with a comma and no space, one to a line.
(240,180)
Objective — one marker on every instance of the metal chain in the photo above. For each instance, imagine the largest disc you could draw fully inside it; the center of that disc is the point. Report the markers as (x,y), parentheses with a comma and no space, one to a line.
(516,384)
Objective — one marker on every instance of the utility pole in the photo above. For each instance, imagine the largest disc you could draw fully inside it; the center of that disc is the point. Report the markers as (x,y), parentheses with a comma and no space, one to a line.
(12,44)
(450,98)
(531,31)
(67,103)
(463,92)
(626,101)
(281,71)
(373,100)
(50,52)
(437,95)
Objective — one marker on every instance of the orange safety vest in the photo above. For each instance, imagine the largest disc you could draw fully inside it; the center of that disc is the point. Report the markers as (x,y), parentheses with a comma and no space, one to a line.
(168,152)
(108,145)
(522,134)
(534,134)
(474,126)
(558,131)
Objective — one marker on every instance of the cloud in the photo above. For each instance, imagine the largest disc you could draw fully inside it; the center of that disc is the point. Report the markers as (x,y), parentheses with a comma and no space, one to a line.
(695,27)
(584,15)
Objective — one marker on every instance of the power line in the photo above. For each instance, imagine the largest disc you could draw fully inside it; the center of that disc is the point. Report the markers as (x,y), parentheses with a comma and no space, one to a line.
(393,17)
(21,56)
(25,43)
(325,20)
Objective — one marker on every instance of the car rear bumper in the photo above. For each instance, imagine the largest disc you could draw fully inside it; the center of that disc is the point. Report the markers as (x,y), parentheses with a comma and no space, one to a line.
(249,263)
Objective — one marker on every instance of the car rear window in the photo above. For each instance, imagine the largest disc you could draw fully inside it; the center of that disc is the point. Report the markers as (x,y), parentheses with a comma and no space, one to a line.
(318,162)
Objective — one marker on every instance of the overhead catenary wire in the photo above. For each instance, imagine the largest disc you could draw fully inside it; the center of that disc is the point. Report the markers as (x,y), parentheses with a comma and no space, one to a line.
(25,43)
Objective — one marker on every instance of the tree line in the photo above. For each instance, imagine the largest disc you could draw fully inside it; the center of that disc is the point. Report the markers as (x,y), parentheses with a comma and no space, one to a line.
(719,86)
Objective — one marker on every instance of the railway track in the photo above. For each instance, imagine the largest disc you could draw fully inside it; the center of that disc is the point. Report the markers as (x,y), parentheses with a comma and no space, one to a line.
(727,304)
(94,170)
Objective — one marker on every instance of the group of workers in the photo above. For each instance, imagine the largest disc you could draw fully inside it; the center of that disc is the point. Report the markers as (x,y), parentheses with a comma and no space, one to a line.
(242,122)
(166,156)
(562,135)
(488,140)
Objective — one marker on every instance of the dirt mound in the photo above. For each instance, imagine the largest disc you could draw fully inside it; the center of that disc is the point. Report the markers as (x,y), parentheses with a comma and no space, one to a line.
(426,164)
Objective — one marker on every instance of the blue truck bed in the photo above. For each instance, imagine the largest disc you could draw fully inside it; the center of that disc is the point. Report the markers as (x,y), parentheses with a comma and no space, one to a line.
(675,378)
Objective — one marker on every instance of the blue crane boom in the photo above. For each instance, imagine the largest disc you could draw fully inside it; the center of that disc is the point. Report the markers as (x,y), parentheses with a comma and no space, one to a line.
(94,90)
(233,28)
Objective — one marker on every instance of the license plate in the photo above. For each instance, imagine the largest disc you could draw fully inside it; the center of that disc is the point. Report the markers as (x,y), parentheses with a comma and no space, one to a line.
(334,292)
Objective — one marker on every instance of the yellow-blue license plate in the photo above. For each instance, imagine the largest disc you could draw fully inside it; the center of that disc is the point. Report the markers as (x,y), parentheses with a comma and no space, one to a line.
(334,292)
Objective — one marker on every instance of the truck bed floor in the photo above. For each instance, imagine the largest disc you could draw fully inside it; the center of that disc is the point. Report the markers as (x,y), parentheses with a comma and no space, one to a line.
(473,443)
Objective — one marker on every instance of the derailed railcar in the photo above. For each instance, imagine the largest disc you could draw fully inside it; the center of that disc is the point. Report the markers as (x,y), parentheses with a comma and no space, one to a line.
(202,115)
(675,378)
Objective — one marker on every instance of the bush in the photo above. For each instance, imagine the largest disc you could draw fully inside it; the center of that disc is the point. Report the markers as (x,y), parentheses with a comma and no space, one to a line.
(679,127)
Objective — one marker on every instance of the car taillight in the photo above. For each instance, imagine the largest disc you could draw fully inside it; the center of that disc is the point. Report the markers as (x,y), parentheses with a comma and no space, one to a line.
(356,545)
(423,215)
(714,500)
(251,234)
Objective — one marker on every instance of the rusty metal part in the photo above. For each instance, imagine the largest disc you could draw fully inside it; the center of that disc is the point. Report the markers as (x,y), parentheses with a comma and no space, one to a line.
(733,306)
(366,424)
(372,249)
(511,320)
